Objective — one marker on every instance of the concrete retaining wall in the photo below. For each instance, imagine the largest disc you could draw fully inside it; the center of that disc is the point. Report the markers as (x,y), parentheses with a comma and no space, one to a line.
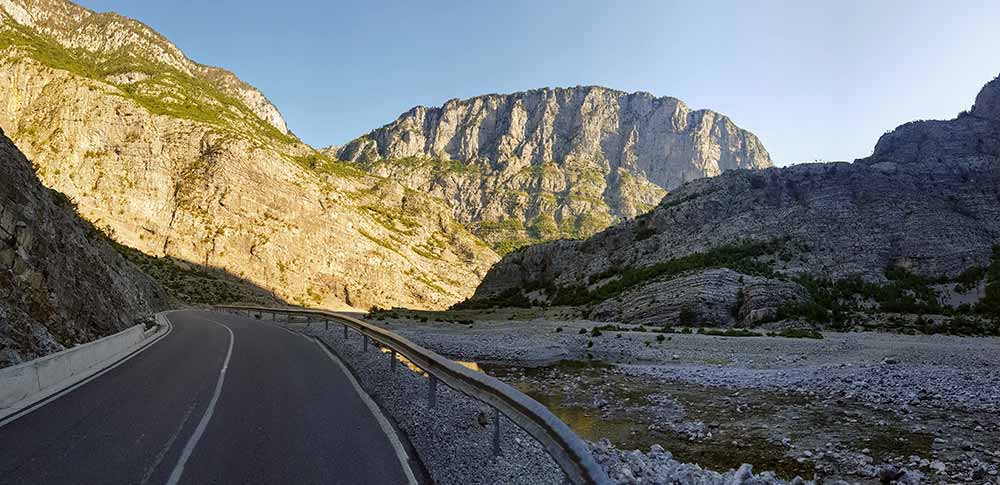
(37,376)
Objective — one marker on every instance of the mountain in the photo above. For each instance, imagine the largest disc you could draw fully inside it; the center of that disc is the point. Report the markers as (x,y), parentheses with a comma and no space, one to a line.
(553,163)
(907,229)
(61,282)
(189,163)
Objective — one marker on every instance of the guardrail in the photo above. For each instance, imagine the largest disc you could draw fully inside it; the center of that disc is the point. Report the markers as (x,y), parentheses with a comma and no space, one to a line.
(561,443)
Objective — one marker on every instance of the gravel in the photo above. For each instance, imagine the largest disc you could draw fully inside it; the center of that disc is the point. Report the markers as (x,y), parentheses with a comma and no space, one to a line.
(884,370)
(454,439)
(920,380)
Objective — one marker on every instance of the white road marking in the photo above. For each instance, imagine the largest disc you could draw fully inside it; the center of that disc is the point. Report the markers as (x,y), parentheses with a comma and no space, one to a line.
(175,476)
(168,445)
(387,428)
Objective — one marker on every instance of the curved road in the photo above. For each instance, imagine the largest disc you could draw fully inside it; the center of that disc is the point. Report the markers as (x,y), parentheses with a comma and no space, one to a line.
(221,399)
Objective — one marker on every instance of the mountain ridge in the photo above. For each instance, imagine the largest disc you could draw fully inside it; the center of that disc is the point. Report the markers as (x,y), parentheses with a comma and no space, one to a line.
(174,166)
(78,27)
(553,162)
(925,207)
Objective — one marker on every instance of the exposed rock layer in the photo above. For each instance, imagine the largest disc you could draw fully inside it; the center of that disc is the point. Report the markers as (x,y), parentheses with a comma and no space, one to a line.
(177,163)
(61,283)
(566,162)
(928,200)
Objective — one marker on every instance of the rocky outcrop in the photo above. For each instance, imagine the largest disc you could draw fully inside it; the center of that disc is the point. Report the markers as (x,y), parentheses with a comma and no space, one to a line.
(551,163)
(109,36)
(712,297)
(167,159)
(61,283)
(927,200)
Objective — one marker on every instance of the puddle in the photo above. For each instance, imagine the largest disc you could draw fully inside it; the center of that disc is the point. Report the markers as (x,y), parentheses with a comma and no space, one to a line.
(695,423)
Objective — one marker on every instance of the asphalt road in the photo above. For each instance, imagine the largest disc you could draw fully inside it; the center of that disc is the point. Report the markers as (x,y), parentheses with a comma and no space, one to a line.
(221,399)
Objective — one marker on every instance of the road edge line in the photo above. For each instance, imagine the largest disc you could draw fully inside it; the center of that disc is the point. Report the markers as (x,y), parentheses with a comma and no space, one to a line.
(383,422)
(85,377)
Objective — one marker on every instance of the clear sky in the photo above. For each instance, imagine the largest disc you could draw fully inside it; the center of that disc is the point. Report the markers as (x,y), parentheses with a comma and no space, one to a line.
(817,81)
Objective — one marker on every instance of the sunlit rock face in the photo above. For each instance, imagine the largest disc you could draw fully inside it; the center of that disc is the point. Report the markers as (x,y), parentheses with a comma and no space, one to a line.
(61,283)
(183,160)
(927,200)
(551,163)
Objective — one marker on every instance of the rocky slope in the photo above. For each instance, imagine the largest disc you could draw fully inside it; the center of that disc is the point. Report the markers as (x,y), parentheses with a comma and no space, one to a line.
(61,283)
(553,163)
(923,210)
(186,161)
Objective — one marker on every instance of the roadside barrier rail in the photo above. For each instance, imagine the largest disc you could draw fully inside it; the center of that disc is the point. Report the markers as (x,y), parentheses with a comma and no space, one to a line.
(562,444)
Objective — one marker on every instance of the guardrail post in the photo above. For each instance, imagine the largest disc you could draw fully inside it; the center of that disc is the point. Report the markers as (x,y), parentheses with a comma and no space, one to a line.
(345,331)
(496,432)
(365,338)
(432,385)
(327,323)
(392,360)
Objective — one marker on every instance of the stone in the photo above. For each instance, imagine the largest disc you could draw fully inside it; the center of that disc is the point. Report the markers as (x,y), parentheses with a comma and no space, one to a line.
(938,466)
(742,475)
(7,222)
(7,255)
(24,236)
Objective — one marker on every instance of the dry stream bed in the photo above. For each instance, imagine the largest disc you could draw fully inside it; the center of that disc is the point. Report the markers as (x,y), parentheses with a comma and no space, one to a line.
(845,407)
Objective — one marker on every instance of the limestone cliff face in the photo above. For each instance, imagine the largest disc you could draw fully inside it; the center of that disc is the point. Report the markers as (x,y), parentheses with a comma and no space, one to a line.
(61,283)
(109,36)
(166,157)
(551,163)
(927,200)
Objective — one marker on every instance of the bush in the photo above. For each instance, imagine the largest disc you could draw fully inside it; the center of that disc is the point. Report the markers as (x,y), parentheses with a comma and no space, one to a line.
(558,329)
(660,338)
(687,316)
(797,333)
(731,332)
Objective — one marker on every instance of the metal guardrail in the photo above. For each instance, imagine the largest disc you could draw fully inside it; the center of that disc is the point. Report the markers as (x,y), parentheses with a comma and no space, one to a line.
(562,444)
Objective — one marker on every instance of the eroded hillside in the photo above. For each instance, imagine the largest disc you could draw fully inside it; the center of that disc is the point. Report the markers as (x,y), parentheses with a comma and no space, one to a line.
(182,160)
(61,283)
(911,229)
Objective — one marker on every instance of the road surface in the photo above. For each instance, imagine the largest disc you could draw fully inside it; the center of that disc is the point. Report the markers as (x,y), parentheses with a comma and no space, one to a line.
(221,399)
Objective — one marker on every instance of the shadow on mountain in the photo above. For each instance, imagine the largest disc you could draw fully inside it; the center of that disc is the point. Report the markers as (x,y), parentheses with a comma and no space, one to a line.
(190,283)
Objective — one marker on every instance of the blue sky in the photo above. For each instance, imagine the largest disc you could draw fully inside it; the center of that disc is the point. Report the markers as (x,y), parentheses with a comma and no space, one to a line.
(813,81)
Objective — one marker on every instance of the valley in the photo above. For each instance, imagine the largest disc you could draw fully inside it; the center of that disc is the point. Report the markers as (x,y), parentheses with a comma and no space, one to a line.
(843,406)
(641,268)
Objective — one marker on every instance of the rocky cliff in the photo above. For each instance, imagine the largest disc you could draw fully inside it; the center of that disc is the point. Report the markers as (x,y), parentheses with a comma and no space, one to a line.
(61,283)
(924,209)
(553,163)
(186,161)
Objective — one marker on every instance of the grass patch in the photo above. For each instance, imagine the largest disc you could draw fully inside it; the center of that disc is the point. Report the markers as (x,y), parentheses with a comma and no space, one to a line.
(163,91)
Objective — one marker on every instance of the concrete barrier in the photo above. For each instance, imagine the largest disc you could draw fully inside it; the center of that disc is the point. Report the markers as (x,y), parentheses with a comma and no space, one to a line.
(31,380)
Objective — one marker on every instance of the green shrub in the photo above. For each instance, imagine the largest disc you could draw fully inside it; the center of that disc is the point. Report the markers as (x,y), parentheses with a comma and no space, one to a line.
(729,332)
(797,333)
